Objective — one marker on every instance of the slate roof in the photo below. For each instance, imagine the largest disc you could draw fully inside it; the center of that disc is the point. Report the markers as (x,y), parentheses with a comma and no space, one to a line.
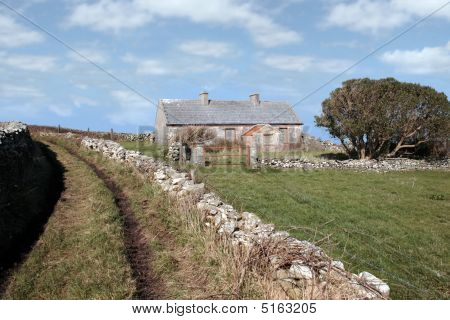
(220,112)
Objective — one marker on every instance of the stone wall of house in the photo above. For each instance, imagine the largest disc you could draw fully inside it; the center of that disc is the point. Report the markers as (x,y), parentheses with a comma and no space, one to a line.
(25,176)
(296,263)
(294,132)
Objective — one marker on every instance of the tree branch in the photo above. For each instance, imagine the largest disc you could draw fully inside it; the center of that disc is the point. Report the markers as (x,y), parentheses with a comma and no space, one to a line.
(398,147)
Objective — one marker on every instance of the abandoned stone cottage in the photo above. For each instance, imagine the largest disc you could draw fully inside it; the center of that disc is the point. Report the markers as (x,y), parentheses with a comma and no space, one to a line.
(242,122)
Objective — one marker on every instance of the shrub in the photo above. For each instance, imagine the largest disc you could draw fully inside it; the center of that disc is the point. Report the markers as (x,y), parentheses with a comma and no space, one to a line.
(194,134)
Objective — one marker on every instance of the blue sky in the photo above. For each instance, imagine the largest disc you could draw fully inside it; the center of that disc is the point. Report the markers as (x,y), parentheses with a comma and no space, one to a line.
(176,48)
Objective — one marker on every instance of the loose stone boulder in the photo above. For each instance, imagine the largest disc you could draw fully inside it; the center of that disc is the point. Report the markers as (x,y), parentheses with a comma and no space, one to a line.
(375,283)
(301,271)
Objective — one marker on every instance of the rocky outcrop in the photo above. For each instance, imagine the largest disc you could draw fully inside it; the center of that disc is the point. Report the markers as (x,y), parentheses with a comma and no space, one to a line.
(296,263)
(358,165)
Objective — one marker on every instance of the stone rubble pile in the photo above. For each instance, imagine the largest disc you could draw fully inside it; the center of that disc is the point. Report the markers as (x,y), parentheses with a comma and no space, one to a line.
(310,265)
(358,165)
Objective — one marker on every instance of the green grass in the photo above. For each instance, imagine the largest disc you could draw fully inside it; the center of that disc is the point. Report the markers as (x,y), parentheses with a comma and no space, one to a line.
(394,225)
(149,149)
(81,253)
(223,157)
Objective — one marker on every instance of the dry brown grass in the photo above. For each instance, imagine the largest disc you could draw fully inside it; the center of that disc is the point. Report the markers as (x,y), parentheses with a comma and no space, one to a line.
(220,269)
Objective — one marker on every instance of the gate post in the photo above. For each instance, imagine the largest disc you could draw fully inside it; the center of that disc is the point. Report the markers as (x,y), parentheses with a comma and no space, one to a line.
(252,155)
(198,155)
(247,155)
(182,153)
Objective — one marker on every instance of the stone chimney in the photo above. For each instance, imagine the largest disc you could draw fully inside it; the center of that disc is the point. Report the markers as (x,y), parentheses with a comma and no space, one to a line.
(204,100)
(254,99)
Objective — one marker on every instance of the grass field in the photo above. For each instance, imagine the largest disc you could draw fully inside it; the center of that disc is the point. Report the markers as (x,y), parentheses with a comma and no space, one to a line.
(394,225)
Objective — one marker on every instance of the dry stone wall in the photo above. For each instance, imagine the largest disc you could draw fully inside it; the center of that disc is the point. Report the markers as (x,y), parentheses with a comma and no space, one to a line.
(25,175)
(50,131)
(147,137)
(14,140)
(358,165)
(296,263)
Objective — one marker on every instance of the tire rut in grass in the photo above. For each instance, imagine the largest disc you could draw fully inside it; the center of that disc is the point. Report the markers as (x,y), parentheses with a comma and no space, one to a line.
(148,285)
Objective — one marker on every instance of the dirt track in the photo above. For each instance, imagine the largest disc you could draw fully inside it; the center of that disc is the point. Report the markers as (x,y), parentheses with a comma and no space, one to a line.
(148,284)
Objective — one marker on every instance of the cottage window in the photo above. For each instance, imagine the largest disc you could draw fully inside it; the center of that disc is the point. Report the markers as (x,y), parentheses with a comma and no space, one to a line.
(230,135)
(284,135)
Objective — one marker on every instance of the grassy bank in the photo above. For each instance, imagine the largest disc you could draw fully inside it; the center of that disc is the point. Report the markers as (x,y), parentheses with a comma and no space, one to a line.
(395,225)
(80,254)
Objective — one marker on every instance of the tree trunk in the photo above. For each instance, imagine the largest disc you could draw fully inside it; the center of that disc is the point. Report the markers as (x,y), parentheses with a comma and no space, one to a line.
(362,153)
(347,149)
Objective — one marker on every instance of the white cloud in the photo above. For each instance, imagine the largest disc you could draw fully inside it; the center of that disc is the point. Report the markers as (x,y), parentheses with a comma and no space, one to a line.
(428,60)
(28,62)
(152,67)
(62,111)
(305,63)
(149,66)
(80,86)
(374,16)
(206,48)
(156,67)
(105,15)
(14,91)
(116,15)
(79,102)
(14,35)
(132,110)
(94,55)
